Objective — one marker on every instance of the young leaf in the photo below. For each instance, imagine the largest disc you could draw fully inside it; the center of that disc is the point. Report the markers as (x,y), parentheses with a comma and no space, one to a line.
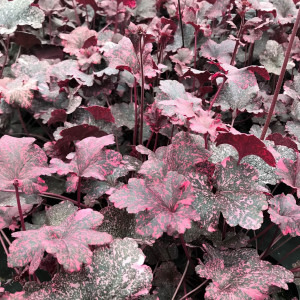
(68,242)
(123,55)
(247,144)
(286,213)
(22,160)
(90,159)
(240,274)
(289,172)
(76,39)
(167,204)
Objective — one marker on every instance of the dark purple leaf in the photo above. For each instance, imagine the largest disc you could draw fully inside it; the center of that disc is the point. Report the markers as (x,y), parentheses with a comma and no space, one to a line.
(247,144)
(58,115)
(279,139)
(101,113)
(26,40)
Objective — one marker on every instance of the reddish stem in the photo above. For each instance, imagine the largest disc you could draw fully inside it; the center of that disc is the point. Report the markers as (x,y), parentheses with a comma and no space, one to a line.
(6,55)
(150,138)
(57,196)
(155,143)
(79,192)
(135,114)
(16,185)
(76,14)
(287,255)
(261,233)
(180,20)
(217,94)
(183,243)
(281,76)
(87,16)
(142,92)
(195,56)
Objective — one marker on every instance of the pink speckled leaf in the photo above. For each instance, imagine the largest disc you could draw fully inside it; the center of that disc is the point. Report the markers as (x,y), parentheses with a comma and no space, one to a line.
(115,273)
(289,172)
(22,160)
(247,144)
(75,40)
(167,204)
(286,213)
(67,242)
(181,156)
(123,55)
(239,195)
(240,274)
(90,159)
(18,91)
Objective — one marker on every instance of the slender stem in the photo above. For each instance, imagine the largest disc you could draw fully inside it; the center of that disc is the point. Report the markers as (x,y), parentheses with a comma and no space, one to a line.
(142,93)
(181,26)
(87,16)
(6,55)
(250,54)
(237,43)
(50,25)
(195,56)
(194,290)
(135,114)
(6,238)
(265,253)
(60,197)
(3,245)
(150,138)
(155,143)
(284,242)
(79,192)
(281,76)
(217,94)
(261,233)
(22,121)
(180,282)
(287,255)
(76,14)
(206,140)
(16,185)
(186,250)
(224,229)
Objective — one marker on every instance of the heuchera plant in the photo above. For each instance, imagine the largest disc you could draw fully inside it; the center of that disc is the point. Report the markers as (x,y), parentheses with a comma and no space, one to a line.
(149,149)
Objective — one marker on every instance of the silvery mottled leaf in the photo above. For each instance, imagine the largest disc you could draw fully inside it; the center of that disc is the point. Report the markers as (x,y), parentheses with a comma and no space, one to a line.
(221,52)
(241,200)
(293,127)
(19,12)
(231,241)
(144,10)
(68,69)
(119,272)
(113,217)
(286,11)
(285,212)
(240,274)
(69,242)
(32,67)
(58,213)
(273,56)
(123,114)
(205,203)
